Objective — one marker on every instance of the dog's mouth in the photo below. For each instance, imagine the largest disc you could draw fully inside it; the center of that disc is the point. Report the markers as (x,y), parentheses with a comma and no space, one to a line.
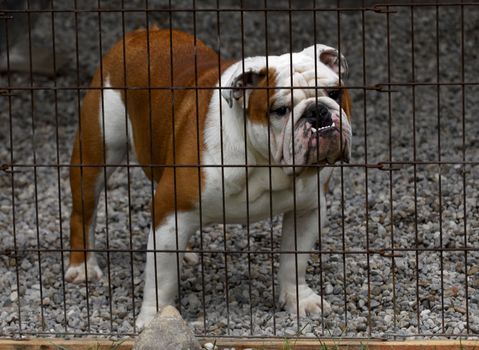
(318,131)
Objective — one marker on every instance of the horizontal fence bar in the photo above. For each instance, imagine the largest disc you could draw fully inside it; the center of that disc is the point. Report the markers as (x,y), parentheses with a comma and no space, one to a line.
(6,90)
(386,166)
(337,344)
(64,344)
(436,3)
(386,252)
(378,8)
(189,10)
(247,342)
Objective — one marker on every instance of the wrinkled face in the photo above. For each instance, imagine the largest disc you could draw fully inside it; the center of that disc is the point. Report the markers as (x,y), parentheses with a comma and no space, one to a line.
(306,125)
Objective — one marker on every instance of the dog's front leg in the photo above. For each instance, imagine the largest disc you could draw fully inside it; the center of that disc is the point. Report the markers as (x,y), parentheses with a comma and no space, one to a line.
(162,260)
(306,235)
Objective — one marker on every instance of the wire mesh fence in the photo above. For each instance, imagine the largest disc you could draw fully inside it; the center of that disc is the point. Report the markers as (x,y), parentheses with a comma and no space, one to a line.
(397,255)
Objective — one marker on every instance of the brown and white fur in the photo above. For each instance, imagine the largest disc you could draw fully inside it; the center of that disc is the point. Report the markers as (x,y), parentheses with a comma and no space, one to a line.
(146,116)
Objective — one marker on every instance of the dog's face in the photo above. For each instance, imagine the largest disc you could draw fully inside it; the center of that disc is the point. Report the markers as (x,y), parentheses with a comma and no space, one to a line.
(306,124)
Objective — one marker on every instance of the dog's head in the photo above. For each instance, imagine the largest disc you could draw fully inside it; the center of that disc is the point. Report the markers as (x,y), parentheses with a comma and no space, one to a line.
(296,101)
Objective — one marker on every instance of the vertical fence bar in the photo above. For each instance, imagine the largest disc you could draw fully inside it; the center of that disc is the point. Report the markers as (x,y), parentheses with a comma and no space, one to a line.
(295,232)
(173,141)
(464,197)
(270,180)
(341,142)
(366,172)
(105,168)
(318,170)
(223,199)
(414,141)
(390,157)
(200,207)
(82,175)
(127,145)
(12,178)
(35,175)
(57,153)
(248,231)
(438,90)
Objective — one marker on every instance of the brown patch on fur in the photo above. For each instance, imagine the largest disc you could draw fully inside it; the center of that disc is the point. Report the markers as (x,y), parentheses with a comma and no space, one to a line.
(346,103)
(177,121)
(261,100)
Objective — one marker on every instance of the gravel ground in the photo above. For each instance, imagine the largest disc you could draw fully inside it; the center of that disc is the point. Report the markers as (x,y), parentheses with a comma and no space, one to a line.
(376,294)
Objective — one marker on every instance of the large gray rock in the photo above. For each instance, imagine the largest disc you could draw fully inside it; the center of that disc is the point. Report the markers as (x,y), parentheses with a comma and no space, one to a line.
(167,331)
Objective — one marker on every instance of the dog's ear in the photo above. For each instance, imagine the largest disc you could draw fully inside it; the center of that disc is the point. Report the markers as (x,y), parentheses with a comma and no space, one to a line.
(330,57)
(333,60)
(246,75)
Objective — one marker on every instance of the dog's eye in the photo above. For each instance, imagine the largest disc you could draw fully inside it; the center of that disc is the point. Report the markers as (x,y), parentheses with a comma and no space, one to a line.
(334,94)
(280,111)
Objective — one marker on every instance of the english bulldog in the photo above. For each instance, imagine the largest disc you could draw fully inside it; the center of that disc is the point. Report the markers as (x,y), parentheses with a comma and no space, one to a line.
(194,121)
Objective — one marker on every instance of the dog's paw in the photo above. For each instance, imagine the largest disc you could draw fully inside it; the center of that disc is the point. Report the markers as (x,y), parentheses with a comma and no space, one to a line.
(309,302)
(76,273)
(144,318)
(191,258)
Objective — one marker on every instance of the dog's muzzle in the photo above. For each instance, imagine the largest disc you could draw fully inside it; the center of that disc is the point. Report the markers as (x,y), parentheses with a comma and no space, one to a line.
(327,134)
(320,119)
(319,134)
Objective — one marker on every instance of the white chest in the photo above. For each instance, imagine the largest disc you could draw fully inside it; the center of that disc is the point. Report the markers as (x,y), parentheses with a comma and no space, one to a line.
(256,196)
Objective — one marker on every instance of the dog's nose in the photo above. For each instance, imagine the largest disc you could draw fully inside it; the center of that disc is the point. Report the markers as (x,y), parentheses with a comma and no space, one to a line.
(319,116)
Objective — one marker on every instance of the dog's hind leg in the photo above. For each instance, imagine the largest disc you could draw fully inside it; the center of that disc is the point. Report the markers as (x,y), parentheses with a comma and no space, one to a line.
(101,140)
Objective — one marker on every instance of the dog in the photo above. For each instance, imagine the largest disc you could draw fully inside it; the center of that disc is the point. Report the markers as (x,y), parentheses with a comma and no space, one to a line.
(222,115)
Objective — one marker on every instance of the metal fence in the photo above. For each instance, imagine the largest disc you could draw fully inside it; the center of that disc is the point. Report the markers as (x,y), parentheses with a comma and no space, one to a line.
(399,256)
